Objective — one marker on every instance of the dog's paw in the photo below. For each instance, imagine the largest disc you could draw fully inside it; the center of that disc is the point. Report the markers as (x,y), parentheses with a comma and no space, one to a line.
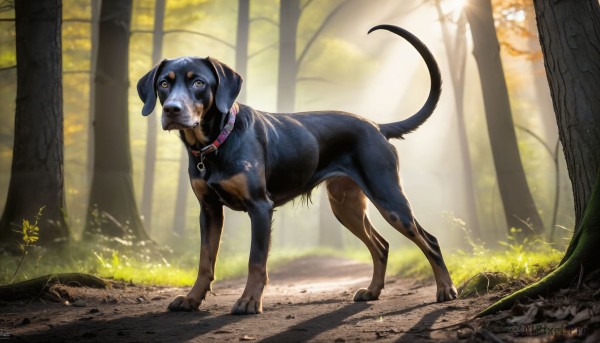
(364,294)
(446,293)
(247,306)
(184,303)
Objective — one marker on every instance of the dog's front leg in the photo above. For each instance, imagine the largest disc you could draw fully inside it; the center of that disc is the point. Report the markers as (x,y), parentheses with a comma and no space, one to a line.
(260,213)
(211,227)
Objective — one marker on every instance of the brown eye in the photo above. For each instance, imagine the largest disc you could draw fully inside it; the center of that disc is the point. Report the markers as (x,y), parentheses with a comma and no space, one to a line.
(164,84)
(198,84)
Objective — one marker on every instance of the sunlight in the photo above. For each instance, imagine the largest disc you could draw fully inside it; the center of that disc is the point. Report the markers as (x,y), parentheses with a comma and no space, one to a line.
(455,6)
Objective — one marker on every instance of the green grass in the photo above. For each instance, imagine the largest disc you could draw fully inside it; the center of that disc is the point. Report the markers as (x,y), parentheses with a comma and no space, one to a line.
(526,262)
(152,266)
(145,266)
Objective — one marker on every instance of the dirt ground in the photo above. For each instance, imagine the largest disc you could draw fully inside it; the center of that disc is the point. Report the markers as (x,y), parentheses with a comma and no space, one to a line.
(309,299)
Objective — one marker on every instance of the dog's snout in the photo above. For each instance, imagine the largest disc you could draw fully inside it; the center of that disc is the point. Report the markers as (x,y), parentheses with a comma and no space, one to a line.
(172,108)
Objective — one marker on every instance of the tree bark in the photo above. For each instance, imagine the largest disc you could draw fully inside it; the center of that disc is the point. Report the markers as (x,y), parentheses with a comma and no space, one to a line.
(570,36)
(519,207)
(112,210)
(289,14)
(241,45)
(37,178)
(152,129)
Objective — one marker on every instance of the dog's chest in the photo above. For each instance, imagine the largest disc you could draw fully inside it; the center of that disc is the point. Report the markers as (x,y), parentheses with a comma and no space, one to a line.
(232,191)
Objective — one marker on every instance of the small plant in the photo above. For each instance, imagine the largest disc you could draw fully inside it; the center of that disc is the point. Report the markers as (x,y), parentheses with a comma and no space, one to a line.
(31,234)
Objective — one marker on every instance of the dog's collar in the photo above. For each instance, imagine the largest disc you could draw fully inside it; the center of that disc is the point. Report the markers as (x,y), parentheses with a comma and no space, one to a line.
(214,146)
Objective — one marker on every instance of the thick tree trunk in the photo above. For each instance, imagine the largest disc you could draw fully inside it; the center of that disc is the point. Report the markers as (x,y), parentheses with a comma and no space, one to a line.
(289,14)
(37,168)
(519,207)
(112,209)
(241,45)
(570,36)
(152,129)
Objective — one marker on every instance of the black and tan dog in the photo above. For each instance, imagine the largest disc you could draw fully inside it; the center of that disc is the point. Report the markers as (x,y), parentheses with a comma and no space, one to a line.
(253,161)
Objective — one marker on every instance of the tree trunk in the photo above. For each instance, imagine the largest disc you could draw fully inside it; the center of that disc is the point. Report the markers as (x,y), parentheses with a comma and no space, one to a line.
(570,34)
(241,45)
(37,168)
(289,14)
(457,58)
(112,210)
(519,207)
(152,129)
(95,19)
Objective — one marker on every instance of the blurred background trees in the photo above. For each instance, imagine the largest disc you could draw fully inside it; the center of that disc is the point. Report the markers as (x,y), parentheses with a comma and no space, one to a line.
(298,56)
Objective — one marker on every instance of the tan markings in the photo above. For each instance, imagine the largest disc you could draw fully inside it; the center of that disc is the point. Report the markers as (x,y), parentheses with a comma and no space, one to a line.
(189,74)
(189,137)
(256,282)
(171,75)
(200,187)
(199,135)
(237,186)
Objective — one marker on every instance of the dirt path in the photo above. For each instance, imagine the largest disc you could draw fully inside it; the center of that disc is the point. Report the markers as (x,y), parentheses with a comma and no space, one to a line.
(307,300)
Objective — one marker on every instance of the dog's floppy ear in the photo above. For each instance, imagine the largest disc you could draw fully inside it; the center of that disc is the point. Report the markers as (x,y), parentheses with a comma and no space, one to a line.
(229,84)
(146,88)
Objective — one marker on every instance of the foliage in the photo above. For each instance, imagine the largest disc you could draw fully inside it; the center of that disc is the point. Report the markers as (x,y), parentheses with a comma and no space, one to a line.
(524,261)
(31,234)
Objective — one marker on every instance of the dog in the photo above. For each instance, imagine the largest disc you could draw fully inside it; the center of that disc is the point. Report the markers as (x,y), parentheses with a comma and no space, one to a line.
(254,161)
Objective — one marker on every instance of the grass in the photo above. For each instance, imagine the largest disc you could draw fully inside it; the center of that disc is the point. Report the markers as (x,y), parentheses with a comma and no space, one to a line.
(162,266)
(144,266)
(526,262)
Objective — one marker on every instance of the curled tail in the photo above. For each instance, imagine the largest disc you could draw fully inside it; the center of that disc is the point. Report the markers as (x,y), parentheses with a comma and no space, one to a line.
(399,128)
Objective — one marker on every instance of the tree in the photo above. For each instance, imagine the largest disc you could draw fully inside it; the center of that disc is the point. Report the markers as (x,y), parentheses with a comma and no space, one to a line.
(112,210)
(241,45)
(37,178)
(152,129)
(289,14)
(457,58)
(519,207)
(569,33)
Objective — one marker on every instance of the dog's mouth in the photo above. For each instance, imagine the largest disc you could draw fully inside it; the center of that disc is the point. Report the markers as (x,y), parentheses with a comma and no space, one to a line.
(169,125)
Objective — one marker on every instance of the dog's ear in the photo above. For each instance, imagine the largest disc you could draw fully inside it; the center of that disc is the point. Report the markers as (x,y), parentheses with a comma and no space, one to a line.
(146,88)
(229,84)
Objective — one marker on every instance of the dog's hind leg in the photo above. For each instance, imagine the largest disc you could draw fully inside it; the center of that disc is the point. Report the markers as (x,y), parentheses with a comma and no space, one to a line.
(396,210)
(349,204)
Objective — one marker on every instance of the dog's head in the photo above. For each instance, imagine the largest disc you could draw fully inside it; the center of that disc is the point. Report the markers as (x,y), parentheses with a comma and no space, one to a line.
(189,88)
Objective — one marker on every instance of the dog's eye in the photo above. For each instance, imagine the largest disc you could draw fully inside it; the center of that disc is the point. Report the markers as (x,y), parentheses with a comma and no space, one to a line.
(198,84)
(164,84)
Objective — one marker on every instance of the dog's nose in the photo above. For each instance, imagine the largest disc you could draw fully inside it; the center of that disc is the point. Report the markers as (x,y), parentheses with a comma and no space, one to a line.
(172,108)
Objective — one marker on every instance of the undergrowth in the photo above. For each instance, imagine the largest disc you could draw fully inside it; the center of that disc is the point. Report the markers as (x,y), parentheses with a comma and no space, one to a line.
(526,261)
(150,264)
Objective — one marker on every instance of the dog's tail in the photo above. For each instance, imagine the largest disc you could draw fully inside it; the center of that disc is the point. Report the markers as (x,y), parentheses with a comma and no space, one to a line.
(400,128)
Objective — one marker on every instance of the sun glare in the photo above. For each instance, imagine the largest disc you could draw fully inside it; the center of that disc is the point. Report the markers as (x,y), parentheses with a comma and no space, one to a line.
(454,7)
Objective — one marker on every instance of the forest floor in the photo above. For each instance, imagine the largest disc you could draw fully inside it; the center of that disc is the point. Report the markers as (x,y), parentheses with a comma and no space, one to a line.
(308,299)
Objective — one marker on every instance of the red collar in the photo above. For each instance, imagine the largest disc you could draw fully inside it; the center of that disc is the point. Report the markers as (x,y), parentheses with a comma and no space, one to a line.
(222,136)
